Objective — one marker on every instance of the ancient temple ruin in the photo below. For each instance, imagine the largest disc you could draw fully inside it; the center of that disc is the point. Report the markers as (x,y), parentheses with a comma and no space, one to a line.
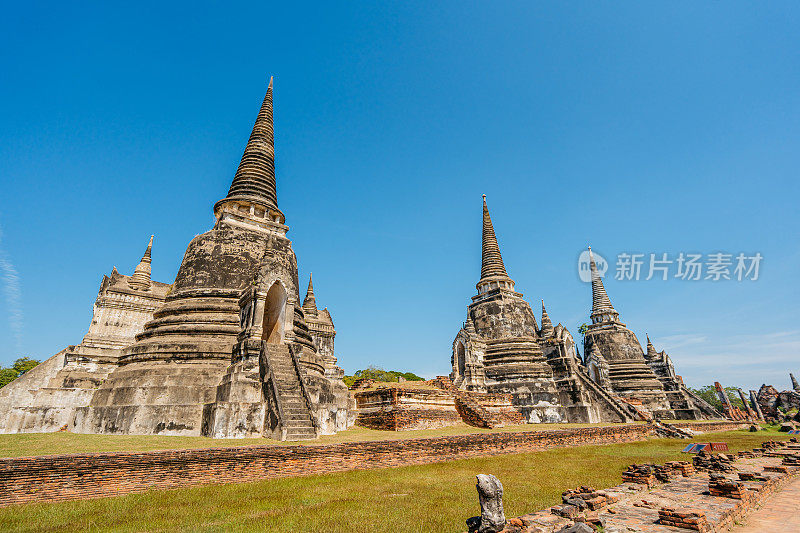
(47,397)
(615,352)
(615,360)
(501,349)
(684,403)
(226,350)
(778,405)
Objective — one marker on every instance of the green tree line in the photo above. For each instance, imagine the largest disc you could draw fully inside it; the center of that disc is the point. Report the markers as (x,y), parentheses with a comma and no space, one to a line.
(379,374)
(709,394)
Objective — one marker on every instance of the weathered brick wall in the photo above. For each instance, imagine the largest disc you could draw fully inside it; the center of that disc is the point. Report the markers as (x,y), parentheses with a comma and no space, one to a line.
(705,427)
(408,408)
(67,477)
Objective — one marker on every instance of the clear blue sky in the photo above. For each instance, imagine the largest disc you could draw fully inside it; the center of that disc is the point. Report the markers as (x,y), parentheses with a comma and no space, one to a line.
(633,127)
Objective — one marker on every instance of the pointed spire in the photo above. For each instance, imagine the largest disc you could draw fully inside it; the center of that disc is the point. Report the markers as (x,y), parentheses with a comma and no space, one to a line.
(651,350)
(469,325)
(547,325)
(492,267)
(594,353)
(255,178)
(601,304)
(310,303)
(140,280)
(795,386)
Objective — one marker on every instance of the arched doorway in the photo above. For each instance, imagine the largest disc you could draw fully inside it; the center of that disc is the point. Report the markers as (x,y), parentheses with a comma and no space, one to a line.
(274,314)
(461,359)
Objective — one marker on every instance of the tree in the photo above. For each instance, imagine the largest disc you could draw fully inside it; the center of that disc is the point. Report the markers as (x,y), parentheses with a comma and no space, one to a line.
(7,375)
(20,366)
(709,394)
(379,374)
(23,364)
(582,329)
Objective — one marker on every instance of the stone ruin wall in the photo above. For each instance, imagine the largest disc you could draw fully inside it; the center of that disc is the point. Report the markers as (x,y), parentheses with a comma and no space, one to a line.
(46,398)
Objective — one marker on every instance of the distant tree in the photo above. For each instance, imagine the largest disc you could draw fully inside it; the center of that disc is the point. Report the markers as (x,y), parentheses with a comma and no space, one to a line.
(20,366)
(7,375)
(379,374)
(709,394)
(23,364)
(582,329)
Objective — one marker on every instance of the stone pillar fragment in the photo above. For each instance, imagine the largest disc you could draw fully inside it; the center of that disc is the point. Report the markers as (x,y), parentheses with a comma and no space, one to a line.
(754,404)
(751,414)
(490,496)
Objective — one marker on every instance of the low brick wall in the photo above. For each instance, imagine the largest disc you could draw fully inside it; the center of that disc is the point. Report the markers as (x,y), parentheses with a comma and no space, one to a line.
(707,427)
(76,476)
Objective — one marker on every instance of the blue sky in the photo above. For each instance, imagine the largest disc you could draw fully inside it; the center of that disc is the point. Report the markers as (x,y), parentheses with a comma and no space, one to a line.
(631,127)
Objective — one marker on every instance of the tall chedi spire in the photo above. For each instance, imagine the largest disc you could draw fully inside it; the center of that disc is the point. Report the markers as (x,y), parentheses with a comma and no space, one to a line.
(254,181)
(310,303)
(493,271)
(795,386)
(140,280)
(602,310)
(547,326)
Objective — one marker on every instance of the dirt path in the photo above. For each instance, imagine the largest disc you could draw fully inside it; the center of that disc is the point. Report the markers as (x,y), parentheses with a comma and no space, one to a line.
(781,512)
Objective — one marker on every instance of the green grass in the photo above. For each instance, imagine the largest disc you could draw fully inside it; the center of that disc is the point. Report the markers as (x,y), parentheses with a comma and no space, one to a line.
(427,498)
(29,444)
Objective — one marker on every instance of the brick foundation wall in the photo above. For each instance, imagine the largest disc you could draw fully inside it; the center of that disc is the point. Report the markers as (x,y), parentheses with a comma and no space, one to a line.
(408,408)
(706,427)
(69,477)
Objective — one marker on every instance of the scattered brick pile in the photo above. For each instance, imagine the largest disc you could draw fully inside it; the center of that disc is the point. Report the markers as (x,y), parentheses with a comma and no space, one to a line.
(644,504)
(684,518)
(648,474)
(708,462)
(362,383)
(773,445)
(752,476)
(723,487)
(442,382)
(588,498)
(791,460)
(684,467)
(749,454)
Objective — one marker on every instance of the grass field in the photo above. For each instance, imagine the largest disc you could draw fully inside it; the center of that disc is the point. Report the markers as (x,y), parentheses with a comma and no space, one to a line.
(27,444)
(428,498)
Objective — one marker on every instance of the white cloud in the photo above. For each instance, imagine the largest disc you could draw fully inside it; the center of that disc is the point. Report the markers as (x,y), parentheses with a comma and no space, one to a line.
(745,360)
(13,296)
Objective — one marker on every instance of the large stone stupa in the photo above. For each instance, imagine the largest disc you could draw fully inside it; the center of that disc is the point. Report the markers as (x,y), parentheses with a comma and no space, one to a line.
(610,341)
(229,353)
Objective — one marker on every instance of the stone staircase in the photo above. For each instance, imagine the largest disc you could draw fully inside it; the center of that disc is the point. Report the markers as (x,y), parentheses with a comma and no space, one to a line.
(626,411)
(296,417)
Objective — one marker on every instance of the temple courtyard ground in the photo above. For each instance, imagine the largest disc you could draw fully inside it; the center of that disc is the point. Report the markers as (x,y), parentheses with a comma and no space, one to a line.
(781,512)
(427,498)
